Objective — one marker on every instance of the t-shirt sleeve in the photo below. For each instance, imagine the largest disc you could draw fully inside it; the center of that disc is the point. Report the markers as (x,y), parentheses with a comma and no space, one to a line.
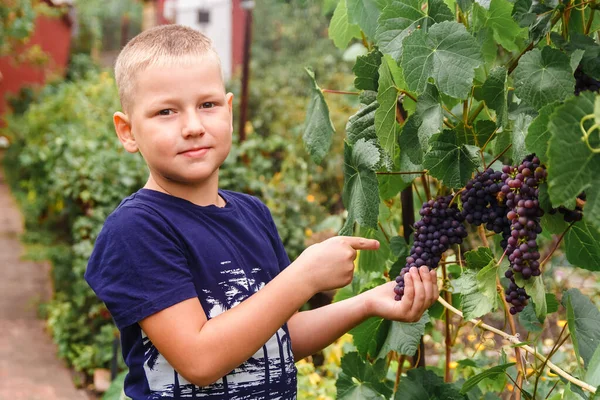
(138,266)
(282,256)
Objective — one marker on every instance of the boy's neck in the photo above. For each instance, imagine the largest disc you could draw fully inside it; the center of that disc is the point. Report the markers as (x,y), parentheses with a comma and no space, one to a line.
(202,194)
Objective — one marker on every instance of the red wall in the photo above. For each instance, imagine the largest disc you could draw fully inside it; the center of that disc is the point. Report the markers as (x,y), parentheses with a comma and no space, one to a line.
(53,35)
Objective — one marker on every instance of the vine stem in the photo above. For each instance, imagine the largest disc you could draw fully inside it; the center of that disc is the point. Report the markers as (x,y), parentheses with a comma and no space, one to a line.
(339,92)
(447,336)
(513,339)
(401,173)
(501,154)
(556,244)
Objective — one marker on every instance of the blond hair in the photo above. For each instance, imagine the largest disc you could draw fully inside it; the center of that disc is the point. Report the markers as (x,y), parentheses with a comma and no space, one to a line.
(161,46)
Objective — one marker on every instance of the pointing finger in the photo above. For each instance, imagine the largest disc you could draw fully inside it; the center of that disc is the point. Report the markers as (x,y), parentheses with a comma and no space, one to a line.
(359,243)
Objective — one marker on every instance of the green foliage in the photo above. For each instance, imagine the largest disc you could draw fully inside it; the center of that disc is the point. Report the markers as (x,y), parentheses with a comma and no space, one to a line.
(69,172)
(448,89)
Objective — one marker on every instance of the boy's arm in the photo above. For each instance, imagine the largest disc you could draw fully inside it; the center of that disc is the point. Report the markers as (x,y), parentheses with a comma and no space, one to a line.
(313,330)
(204,351)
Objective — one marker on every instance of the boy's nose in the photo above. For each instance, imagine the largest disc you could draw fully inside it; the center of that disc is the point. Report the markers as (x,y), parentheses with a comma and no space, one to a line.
(193,126)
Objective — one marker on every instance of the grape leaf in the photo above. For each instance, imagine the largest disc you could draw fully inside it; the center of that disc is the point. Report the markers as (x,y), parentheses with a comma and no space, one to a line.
(543,77)
(584,324)
(368,337)
(591,57)
(360,196)
(494,94)
(400,18)
(374,261)
(318,128)
(385,116)
(362,380)
(362,124)
(534,287)
(572,166)
(518,133)
(489,373)
(447,53)
(476,135)
(341,31)
(538,134)
(422,384)
(479,258)
(499,18)
(422,125)
(529,320)
(486,282)
(365,13)
(399,247)
(366,70)
(582,245)
(450,162)
(592,375)
(404,337)
(473,303)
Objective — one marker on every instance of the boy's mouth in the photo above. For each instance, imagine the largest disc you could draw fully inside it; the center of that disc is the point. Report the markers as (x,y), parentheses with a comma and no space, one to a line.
(195,152)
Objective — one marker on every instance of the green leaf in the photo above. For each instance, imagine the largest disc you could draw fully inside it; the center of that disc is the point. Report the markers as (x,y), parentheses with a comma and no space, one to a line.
(385,116)
(582,245)
(494,94)
(499,18)
(590,61)
(318,128)
(534,287)
(422,125)
(366,70)
(487,374)
(374,261)
(584,324)
(476,135)
(451,163)
(474,304)
(479,258)
(361,196)
(401,18)
(404,337)
(364,13)
(422,384)
(486,282)
(529,320)
(447,53)
(538,134)
(543,77)
(341,31)
(572,166)
(362,380)
(519,131)
(592,375)
(368,337)
(362,124)
(399,247)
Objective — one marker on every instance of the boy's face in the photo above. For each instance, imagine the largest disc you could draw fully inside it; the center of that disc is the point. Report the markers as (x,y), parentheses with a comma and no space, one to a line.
(181,122)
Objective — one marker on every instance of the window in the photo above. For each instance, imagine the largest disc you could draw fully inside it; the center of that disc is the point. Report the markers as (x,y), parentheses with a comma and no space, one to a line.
(203,16)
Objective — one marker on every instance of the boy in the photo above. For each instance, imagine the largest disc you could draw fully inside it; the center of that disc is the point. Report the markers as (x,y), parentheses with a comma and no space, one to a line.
(196,277)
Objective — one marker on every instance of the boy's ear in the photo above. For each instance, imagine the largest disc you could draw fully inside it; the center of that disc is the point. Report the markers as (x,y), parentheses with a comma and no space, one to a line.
(229,100)
(123,129)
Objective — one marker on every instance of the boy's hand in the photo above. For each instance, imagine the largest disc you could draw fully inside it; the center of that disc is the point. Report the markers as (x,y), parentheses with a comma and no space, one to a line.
(420,292)
(330,264)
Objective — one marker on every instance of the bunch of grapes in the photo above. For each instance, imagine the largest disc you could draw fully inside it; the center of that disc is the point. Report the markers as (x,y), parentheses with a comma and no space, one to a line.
(584,82)
(572,215)
(441,225)
(481,203)
(521,192)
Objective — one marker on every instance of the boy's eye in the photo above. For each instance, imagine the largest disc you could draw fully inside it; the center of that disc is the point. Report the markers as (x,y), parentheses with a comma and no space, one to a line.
(165,112)
(208,104)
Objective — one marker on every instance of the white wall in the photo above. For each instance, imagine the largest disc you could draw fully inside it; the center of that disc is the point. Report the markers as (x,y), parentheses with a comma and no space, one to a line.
(219,28)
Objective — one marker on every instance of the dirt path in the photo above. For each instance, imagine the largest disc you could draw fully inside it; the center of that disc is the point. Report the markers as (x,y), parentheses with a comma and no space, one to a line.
(29,369)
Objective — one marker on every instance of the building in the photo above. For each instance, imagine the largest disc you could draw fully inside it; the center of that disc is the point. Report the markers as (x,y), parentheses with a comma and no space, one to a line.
(53,36)
(223,21)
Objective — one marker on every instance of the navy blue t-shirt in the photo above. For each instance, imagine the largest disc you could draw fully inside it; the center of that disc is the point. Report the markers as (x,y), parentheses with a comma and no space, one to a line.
(156,250)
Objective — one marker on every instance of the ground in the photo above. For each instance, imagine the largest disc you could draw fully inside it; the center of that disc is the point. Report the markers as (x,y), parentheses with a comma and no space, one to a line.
(29,368)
